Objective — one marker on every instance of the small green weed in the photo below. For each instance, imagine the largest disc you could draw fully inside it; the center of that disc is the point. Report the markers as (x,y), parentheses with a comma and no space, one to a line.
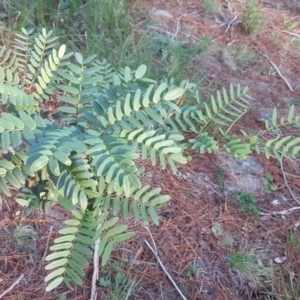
(224,240)
(220,178)
(269,185)
(248,267)
(293,240)
(252,18)
(191,272)
(296,101)
(290,24)
(246,202)
(240,260)
(172,58)
(119,282)
(210,6)
(244,59)
(284,286)
(296,43)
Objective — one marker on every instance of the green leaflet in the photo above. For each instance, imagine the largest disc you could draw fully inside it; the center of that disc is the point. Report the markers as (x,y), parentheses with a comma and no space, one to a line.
(3,187)
(158,92)
(153,215)
(56,255)
(39,163)
(57,263)
(174,94)
(13,180)
(109,223)
(76,267)
(5,141)
(62,157)
(107,253)
(15,138)
(19,124)
(79,259)
(123,237)
(73,276)
(116,230)
(54,274)
(55,283)
(28,120)
(140,71)
(7,124)
(61,246)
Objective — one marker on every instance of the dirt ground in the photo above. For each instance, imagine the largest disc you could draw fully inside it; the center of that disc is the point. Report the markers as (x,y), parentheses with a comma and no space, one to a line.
(195,254)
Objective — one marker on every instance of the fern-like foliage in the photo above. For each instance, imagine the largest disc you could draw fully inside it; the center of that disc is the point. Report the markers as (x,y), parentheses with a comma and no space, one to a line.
(285,143)
(110,119)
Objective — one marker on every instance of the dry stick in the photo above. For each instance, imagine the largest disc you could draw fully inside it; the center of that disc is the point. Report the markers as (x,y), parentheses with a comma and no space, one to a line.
(231,23)
(47,244)
(12,286)
(292,33)
(164,269)
(279,73)
(282,212)
(283,174)
(95,271)
(174,35)
(287,211)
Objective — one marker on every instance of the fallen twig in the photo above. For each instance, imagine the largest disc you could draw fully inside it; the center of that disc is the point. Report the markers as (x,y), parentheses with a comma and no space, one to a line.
(12,286)
(164,269)
(96,268)
(178,26)
(47,244)
(292,33)
(231,22)
(282,212)
(279,73)
(285,181)
(95,271)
